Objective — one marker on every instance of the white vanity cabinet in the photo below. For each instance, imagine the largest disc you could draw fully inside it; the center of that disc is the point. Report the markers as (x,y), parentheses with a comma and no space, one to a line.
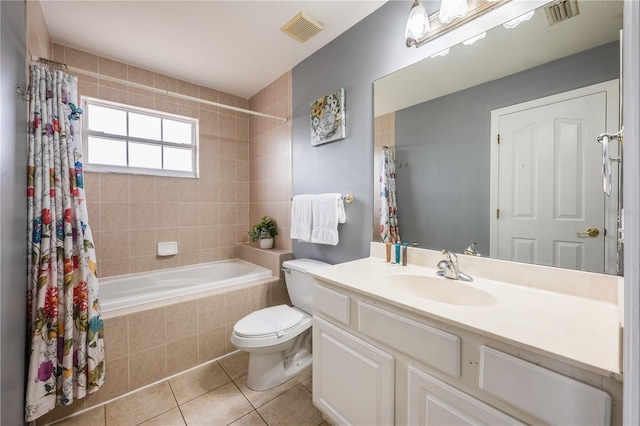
(376,363)
(353,381)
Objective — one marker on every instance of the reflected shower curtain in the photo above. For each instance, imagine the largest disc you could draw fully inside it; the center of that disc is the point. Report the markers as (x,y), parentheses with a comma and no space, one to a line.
(66,358)
(389,231)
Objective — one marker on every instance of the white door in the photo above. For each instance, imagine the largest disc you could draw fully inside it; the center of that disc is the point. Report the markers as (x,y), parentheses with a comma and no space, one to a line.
(550,182)
(353,381)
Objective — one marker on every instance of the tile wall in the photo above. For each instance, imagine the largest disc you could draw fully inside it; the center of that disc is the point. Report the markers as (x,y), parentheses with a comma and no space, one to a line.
(384,134)
(130,214)
(270,158)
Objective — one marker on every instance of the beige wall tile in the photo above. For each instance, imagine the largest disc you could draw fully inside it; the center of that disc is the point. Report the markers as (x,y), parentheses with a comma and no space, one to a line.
(259,296)
(142,216)
(140,76)
(114,188)
(110,268)
(182,355)
(79,59)
(209,255)
(189,239)
(114,216)
(189,214)
(142,264)
(116,382)
(142,243)
(141,405)
(113,245)
(142,188)
(189,258)
(146,329)
(211,344)
(116,338)
(209,237)
(167,215)
(237,305)
(147,366)
(181,320)
(211,313)
(167,189)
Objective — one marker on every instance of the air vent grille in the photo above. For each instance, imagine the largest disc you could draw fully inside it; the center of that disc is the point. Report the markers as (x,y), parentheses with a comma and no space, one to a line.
(302,27)
(561,11)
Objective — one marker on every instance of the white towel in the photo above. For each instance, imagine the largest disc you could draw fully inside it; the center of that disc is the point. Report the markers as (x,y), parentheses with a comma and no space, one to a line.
(328,211)
(301,217)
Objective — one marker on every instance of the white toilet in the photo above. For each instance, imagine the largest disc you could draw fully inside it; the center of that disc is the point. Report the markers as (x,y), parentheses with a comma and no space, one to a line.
(278,338)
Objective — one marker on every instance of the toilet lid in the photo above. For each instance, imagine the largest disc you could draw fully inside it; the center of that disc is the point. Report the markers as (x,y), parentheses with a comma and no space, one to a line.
(275,320)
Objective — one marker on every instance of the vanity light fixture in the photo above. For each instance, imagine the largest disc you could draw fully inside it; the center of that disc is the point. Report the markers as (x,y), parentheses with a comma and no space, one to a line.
(422,28)
(452,9)
(418,22)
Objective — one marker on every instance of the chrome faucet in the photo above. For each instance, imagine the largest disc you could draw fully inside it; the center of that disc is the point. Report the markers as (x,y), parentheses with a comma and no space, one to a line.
(448,268)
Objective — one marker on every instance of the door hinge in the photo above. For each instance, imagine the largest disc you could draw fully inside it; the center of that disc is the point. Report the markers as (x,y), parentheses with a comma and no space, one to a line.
(498,138)
(497,213)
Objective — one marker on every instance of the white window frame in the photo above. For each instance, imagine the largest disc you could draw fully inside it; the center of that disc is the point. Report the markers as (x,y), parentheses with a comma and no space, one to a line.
(107,168)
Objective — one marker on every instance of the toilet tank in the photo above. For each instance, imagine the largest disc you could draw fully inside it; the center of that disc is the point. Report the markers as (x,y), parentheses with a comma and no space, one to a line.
(299,282)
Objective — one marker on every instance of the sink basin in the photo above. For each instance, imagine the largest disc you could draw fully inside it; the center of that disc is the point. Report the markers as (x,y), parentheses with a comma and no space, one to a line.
(441,290)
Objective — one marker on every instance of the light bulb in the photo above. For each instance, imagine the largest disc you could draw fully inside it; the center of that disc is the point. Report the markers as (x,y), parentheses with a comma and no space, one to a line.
(418,22)
(452,9)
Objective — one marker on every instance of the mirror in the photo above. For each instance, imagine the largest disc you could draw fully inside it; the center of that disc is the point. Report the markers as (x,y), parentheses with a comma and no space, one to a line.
(450,177)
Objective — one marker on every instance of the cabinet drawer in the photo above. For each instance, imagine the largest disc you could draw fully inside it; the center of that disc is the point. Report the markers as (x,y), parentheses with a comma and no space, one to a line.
(331,303)
(550,396)
(433,347)
(434,402)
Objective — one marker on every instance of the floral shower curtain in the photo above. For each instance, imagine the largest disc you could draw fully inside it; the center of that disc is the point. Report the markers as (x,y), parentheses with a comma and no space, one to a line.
(66,358)
(388,208)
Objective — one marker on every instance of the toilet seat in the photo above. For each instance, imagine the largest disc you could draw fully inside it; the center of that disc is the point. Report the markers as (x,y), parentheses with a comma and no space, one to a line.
(274,321)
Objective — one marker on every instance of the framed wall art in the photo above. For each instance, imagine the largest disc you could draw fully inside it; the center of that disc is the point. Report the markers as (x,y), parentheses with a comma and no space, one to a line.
(328,118)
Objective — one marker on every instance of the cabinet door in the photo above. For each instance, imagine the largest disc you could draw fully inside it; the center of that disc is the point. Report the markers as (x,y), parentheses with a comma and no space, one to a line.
(353,381)
(433,402)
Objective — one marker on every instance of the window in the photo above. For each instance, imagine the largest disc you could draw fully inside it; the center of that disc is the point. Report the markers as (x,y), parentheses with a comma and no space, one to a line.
(121,138)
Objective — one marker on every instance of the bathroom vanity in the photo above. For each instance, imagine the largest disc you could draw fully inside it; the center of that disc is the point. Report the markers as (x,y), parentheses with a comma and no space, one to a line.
(521,344)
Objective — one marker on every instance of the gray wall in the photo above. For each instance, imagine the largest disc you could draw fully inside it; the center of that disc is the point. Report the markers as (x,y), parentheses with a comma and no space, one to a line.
(369,50)
(443,194)
(13,213)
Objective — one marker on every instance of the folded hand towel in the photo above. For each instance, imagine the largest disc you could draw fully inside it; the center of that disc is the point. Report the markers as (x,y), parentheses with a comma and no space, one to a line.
(301,217)
(328,211)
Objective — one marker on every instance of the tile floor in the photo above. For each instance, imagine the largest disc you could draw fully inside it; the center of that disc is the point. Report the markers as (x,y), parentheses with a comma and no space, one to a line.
(214,394)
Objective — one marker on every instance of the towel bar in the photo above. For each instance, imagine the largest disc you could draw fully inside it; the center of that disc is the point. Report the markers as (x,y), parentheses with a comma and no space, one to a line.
(349,198)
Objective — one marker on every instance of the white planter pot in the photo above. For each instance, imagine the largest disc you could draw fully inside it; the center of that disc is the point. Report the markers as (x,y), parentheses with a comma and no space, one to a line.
(266,243)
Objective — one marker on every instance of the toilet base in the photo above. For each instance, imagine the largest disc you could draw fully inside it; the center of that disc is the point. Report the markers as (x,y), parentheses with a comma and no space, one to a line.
(268,370)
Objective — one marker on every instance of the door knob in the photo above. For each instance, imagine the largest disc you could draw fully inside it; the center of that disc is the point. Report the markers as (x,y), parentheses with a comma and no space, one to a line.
(591,232)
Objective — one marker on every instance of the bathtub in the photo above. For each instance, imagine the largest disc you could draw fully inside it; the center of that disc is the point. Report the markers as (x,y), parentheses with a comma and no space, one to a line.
(135,289)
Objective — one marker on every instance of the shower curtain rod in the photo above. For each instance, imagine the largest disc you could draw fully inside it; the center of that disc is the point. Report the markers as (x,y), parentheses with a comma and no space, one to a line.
(62,66)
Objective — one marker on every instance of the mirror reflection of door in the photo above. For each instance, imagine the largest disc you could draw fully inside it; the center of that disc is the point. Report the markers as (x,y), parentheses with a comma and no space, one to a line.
(549,180)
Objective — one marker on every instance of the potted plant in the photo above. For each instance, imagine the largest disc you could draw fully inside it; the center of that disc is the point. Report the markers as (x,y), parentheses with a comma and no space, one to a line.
(264,232)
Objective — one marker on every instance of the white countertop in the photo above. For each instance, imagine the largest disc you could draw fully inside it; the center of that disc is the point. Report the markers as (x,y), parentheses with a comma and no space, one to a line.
(579,330)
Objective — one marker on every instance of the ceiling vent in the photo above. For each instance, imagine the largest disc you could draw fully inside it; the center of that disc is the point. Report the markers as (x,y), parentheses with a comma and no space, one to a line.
(561,11)
(302,27)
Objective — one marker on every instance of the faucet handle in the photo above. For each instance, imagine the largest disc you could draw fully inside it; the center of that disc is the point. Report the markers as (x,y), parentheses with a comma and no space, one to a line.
(453,258)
